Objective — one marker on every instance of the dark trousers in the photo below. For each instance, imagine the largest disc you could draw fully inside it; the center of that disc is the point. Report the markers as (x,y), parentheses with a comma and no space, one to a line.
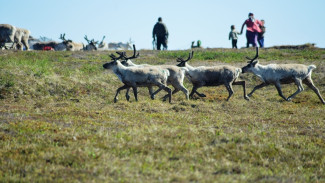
(234,43)
(251,38)
(161,41)
(261,41)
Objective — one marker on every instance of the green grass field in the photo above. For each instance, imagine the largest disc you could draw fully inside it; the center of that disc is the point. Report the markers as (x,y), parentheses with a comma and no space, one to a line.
(58,123)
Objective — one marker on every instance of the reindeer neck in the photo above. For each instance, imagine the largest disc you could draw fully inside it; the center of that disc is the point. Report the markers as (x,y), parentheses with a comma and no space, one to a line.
(131,63)
(189,67)
(259,68)
(119,67)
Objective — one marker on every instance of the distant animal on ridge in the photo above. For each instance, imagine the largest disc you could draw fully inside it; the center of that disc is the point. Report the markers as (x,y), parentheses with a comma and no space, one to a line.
(102,45)
(21,38)
(70,45)
(91,44)
(7,34)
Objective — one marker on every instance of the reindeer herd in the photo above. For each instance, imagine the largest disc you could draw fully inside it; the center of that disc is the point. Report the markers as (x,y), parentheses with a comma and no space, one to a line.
(144,75)
(18,38)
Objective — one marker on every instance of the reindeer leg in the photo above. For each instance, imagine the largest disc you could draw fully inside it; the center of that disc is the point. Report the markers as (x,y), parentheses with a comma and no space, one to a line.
(127,96)
(150,92)
(164,87)
(185,91)
(244,87)
(167,95)
(309,82)
(200,94)
(135,92)
(257,87)
(300,89)
(230,90)
(193,91)
(157,91)
(278,87)
(169,91)
(118,91)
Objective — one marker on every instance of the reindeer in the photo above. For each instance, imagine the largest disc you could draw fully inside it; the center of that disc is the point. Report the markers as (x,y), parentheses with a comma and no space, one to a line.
(91,44)
(212,76)
(103,45)
(7,34)
(278,74)
(120,45)
(70,45)
(21,38)
(139,77)
(175,78)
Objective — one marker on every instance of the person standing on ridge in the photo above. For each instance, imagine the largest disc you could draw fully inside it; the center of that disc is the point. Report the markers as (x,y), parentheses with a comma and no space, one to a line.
(233,36)
(252,29)
(160,34)
(260,36)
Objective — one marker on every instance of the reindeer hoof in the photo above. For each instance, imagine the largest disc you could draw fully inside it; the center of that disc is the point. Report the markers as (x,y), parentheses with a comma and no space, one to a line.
(247,98)
(152,97)
(115,100)
(289,99)
(127,97)
(202,95)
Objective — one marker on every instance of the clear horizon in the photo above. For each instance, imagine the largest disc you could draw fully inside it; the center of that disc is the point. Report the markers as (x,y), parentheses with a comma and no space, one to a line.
(287,22)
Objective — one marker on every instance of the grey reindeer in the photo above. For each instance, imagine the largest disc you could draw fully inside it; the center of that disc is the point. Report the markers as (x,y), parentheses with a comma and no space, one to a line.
(278,74)
(212,76)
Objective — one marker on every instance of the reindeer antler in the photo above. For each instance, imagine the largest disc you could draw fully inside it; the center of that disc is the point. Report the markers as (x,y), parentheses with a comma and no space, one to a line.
(103,38)
(86,38)
(190,56)
(114,58)
(121,53)
(135,55)
(256,56)
(62,37)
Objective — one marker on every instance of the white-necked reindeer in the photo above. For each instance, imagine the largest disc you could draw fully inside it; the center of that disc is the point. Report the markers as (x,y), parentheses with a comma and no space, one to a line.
(176,77)
(139,77)
(278,74)
(212,76)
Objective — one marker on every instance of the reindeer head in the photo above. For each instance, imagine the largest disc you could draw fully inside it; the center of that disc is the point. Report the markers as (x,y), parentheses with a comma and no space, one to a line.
(182,61)
(126,59)
(65,41)
(251,64)
(113,63)
(92,43)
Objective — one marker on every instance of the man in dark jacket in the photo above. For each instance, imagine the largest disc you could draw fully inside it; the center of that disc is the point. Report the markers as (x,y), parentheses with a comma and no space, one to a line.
(161,33)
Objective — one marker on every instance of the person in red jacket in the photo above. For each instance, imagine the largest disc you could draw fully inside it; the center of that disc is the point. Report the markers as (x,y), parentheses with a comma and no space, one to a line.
(252,29)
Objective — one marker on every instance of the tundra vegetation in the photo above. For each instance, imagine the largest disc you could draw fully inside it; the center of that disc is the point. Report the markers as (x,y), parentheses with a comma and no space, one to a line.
(59,123)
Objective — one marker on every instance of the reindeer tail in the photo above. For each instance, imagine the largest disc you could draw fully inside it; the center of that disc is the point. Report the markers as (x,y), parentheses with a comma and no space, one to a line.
(310,69)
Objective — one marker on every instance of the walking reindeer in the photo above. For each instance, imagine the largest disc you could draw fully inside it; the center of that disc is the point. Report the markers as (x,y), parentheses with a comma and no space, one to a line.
(212,76)
(278,74)
(139,77)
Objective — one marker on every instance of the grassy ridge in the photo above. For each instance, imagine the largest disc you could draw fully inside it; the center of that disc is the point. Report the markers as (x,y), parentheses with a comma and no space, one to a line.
(58,123)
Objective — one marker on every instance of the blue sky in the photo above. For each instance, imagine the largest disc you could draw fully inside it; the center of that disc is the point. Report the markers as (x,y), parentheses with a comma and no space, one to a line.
(287,21)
